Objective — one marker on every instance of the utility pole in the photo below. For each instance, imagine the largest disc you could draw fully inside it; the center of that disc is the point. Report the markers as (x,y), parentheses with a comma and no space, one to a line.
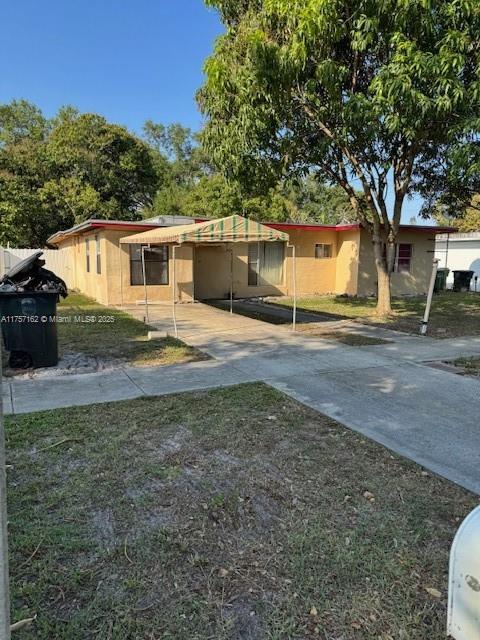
(4,582)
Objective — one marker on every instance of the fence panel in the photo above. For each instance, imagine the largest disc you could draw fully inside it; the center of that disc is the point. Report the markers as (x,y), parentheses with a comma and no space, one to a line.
(57,261)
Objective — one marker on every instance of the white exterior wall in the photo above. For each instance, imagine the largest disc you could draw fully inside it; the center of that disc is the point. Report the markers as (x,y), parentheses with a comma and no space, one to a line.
(459,251)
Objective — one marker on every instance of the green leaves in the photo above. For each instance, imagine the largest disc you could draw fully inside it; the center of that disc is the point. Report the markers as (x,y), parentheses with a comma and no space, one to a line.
(56,173)
(321,84)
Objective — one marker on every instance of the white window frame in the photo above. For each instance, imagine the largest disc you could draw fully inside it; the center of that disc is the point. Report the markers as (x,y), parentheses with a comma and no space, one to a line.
(323,245)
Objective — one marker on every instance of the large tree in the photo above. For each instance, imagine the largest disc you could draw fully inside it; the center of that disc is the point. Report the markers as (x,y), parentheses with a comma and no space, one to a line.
(370,95)
(56,173)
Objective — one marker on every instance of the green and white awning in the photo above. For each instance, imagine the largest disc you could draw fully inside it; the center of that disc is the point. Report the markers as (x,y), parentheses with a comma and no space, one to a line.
(232,229)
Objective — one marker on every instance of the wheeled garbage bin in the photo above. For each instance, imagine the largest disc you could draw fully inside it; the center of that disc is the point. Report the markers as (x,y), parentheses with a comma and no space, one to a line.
(29,328)
(441,279)
(461,280)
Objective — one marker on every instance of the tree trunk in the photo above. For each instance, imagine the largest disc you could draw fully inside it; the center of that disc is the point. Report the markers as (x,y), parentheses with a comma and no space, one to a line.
(384,307)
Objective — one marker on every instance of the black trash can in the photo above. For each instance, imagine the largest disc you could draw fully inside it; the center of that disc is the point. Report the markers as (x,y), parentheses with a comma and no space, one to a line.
(441,279)
(29,328)
(461,280)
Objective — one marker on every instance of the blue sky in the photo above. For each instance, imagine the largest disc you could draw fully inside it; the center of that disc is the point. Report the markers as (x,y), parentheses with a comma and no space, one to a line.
(130,60)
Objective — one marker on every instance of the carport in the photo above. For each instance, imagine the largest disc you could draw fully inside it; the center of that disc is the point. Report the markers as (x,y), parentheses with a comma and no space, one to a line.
(224,231)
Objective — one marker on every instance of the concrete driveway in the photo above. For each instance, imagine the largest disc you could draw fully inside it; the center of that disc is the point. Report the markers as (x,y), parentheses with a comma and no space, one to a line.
(386,392)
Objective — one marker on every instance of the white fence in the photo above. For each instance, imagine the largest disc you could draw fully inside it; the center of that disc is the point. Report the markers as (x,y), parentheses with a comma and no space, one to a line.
(56,261)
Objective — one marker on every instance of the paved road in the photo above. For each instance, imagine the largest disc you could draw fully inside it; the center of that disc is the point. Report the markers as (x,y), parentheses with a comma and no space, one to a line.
(386,392)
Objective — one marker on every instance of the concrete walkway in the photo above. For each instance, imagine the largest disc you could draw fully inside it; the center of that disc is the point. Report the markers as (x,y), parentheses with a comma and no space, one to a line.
(386,392)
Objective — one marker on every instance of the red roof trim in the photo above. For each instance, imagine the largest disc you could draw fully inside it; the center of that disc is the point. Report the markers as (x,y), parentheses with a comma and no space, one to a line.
(121,225)
(285,226)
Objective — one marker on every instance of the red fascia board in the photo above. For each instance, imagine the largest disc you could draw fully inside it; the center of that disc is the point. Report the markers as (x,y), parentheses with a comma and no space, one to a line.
(427,229)
(286,226)
(120,225)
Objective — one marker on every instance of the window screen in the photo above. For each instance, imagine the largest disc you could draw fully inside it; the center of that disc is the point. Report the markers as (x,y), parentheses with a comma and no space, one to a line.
(404,258)
(156,265)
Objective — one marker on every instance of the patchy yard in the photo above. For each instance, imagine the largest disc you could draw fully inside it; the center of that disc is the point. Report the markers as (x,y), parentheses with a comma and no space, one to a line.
(470,366)
(230,514)
(124,339)
(86,346)
(452,315)
(345,337)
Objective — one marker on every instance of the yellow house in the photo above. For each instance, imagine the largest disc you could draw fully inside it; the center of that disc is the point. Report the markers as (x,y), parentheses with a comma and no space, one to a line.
(329,260)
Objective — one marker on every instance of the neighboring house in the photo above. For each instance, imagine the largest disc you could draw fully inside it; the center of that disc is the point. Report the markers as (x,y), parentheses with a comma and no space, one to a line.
(330,260)
(459,252)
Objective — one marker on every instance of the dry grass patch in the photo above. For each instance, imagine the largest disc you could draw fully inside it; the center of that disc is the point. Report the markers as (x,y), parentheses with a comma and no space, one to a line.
(124,339)
(345,337)
(230,514)
(452,315)
(469,366)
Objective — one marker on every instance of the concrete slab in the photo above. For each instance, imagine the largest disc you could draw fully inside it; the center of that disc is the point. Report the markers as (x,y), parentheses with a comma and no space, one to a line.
(83,389)
(427,415)
(427,349)
(177,378)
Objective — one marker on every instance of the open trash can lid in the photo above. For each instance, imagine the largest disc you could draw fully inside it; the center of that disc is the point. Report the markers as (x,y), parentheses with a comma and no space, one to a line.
(23,265)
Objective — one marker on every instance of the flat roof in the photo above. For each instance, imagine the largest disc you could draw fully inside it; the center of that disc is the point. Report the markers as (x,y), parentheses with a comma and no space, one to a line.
(145,225)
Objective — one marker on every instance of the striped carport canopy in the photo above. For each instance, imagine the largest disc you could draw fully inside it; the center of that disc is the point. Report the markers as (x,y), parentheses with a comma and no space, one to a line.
(232,229)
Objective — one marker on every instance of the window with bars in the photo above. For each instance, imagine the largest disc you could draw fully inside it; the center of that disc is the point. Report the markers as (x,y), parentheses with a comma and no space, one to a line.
(323,251)
(403,257)
(403,261)
(265,263)
(156,265)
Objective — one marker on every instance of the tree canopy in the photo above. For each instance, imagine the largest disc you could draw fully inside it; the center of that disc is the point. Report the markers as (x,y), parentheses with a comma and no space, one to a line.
(468,220)
(54,174)
(376,93)
(57,172)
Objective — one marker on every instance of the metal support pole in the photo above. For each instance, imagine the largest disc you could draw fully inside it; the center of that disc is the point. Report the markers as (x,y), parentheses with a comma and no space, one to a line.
(174,285)
(120,257)
(294,276)
(231,280)
(4,581)
(145,285)
(426,315)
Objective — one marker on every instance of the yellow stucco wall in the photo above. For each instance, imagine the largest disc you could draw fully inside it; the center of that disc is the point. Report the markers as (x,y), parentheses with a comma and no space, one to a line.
(314,275)
(204,271)
(348,251)
(120,291)
(413,283)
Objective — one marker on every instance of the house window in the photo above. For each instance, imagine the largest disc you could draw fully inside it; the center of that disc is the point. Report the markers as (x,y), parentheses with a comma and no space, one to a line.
(265,263)
(323,251)
(403,258)
(98,255)
(87,254)
(156,264)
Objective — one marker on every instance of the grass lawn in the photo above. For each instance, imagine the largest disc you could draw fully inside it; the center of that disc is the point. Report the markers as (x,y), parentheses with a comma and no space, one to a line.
(125,338)
(452,314)
(230,514)
(345,337)
(470,366)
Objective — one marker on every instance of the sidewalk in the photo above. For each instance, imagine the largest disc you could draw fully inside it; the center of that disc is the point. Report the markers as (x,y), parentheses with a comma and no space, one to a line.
(384,391)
